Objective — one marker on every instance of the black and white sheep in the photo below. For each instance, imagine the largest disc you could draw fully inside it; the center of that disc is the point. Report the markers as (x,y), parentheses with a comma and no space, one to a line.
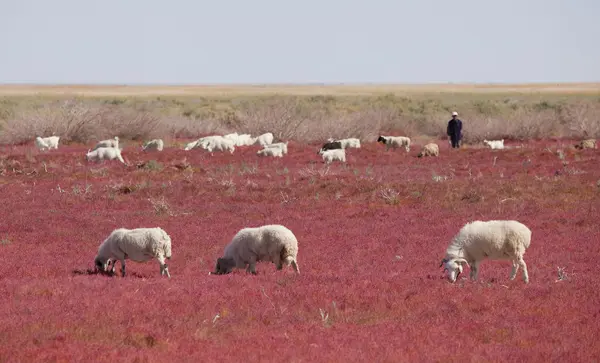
(139,245)
(495,240)
(395,142)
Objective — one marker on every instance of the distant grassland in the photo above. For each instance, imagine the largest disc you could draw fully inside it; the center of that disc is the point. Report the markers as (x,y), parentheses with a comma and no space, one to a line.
(309,113)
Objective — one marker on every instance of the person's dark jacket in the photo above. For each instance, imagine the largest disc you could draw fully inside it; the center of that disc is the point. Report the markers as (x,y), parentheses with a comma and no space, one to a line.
(454,129)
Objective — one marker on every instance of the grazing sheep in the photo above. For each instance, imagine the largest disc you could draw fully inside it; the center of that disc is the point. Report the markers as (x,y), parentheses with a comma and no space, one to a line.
(330,145)
(586,144)
(190,146)
(333,155)
(430,149)
(153,145)
(496,240)
(218,144)
(271,151)
(265,139)
(50,142)
(245,140)
(270,243)
(198,143)
(495,144)
(395,142)
(104,153)
(350,142)
(281,145)
(114,143)
(139,245)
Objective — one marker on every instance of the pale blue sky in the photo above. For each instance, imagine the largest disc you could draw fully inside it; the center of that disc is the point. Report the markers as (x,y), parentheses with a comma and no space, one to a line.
(308,41)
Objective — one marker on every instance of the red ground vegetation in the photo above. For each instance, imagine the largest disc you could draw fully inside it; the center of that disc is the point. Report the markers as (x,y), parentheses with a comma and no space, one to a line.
(371,236)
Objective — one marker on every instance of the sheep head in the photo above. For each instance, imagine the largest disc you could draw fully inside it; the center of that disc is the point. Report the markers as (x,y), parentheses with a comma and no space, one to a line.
(381,139)
(454,267)
(224,266)
(102,265)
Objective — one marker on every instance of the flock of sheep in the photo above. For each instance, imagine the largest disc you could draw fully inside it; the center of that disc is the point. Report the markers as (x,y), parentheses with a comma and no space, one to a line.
(474,242)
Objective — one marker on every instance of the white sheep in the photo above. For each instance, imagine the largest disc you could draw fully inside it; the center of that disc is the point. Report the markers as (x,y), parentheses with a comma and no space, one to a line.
(271,151)
(114,143)
(495,144)
(333,155)
(233,137)
(245,140)
(139,245)
(430,149)
(270,243)
(50,142)
(395,142)
(281,145)
(496,240)
(586,144)
(153,145)
(104,153)
(265,139)
(217,144)
(198,143)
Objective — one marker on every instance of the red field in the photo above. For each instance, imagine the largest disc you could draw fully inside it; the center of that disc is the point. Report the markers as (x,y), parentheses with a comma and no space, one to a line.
(371,236)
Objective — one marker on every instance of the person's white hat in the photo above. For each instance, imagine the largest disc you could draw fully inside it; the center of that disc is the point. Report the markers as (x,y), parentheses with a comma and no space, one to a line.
(454,113)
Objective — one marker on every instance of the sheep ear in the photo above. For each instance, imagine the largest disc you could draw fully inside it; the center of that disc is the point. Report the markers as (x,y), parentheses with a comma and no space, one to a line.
(461,260)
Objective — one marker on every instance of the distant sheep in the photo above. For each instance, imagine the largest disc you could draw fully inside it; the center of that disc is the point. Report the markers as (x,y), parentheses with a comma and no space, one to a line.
(198,143)
(265,139)
(270,243)
(153,145)
(586,144)
(496,240)
(347,143)
(494,144)
(104,153)
(395,142)
(330,145)
(114,143)
(50,142)
(218,144)
(271,151)
(139,245)
(330,156)
(245,140)
(430,149)
(281,145)
(233,137)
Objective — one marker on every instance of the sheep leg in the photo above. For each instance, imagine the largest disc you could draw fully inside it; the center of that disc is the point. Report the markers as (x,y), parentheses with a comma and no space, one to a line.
(474,270)
(515,268)
(123,267)
(164,269)
(524,267)
(295,266)
(252,266)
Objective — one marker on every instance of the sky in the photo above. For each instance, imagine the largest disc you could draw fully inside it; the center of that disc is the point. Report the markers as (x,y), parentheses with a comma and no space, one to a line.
(308,41)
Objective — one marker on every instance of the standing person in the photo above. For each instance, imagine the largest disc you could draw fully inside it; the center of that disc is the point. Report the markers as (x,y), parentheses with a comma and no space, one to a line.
(455,130)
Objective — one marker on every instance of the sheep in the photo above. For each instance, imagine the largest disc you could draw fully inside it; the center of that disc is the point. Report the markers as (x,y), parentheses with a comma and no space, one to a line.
(104,153)
(495,239)
(333,155)
(350,142)
(245,140)
(330,145)
(271,151)
(218,144)
(50,142)
(395,142)
(156,144)
(139,245)
(233,137)
(586,144)
(495,144)
(264,139)
(270,243)
(200,142)
(114,143)
(430,149)
(282,145)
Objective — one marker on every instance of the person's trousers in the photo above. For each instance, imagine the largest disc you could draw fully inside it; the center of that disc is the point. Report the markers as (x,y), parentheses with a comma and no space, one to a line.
(455,143)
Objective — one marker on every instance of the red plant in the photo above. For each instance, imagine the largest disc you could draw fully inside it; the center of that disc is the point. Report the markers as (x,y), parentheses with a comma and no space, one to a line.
(371,236)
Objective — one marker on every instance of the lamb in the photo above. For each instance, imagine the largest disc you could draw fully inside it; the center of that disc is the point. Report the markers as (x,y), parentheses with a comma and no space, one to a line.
(333,155)
(50,142)
(496,240)
(395,142)
(495,144)
(153,145)
(281,145)
(271,151)
(139,245)
(114,143)
(586,144)
(271,243)
(265,139)
(330,145)
(104,153)
(430,149)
